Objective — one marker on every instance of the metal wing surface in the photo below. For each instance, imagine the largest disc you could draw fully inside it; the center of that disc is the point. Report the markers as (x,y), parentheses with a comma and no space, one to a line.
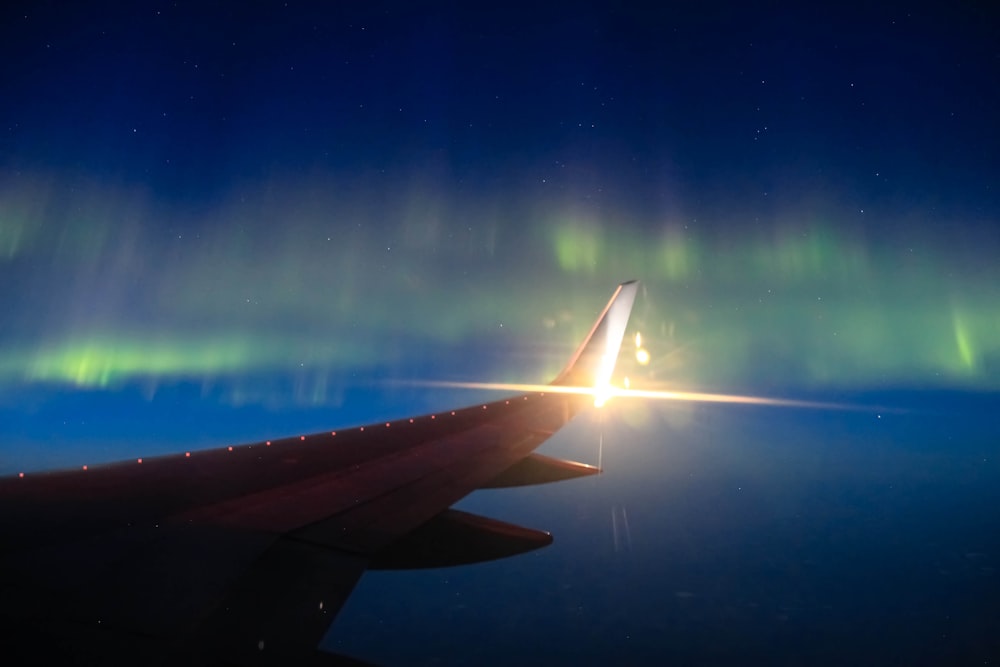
(245,554)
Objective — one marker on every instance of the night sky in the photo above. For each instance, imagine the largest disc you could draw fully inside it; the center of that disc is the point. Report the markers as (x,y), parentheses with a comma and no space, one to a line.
(221,222)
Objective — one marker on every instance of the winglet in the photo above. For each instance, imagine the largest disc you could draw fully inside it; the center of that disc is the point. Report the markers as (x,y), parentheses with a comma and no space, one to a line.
(593,362)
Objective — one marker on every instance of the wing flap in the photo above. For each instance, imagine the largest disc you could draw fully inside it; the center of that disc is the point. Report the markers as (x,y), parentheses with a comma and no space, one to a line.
(458,538)
(539,469)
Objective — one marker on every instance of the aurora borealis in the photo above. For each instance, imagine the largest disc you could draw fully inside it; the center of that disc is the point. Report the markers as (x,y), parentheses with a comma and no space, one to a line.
(118,295)
(278,201)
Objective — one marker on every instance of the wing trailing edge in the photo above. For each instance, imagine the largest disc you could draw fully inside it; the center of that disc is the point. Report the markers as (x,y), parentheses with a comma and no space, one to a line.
(539,469)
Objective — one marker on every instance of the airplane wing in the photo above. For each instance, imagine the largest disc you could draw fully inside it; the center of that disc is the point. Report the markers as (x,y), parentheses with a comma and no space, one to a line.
(244,554)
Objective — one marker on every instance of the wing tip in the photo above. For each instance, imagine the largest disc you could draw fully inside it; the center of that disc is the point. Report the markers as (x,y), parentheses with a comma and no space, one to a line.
(595,358)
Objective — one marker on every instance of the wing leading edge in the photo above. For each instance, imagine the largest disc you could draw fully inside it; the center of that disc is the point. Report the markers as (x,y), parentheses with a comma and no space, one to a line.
(244,555)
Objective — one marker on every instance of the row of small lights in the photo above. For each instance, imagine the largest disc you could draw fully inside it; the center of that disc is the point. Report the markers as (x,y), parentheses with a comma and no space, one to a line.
(302,437)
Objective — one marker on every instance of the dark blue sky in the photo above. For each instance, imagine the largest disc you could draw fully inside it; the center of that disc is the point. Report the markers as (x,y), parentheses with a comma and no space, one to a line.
(868,105)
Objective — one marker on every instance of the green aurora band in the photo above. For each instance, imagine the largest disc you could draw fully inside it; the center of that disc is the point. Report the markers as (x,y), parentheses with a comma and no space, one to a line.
(107,287)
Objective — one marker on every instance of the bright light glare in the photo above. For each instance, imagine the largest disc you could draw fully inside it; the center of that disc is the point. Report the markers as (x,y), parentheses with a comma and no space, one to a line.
(641,353)
(602,387)
(601,396)
(607,391)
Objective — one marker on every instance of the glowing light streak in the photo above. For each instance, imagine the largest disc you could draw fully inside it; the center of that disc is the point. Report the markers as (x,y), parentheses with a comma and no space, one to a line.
(602,382)
(614,321)
(620,531)
(611,391)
